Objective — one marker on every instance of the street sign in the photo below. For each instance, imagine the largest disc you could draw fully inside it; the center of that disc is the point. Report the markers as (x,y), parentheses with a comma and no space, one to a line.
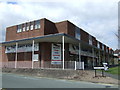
(101,68)
(98,67)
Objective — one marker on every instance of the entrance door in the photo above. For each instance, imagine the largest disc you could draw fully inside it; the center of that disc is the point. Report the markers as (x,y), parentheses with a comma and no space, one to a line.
(84,59)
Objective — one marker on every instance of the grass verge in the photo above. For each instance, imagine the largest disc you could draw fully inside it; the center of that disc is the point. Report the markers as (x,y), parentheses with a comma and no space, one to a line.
(114,70)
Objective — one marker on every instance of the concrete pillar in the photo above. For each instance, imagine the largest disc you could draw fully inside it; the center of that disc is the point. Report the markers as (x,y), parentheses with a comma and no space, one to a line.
(16,55)
(93,56)
(33,54)
(80,55)
(99,57)
(104,57)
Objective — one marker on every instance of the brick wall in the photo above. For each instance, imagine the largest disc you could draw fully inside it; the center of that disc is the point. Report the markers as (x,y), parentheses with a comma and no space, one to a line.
(11,32)
(94,41)
(61,27)
(4,55)
(84,36)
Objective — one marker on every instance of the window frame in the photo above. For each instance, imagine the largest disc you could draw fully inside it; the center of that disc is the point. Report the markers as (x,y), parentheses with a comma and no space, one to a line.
(24,27)
(31,26)
(37,24)
(77,33)
(19,28)
(98,44)
(90,40)
(103,47)
(27,26)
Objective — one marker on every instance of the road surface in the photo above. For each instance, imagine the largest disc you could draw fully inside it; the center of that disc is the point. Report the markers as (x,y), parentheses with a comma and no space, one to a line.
(22,81)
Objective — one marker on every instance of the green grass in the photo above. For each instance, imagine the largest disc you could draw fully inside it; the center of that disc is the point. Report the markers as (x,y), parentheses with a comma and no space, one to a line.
(114,70)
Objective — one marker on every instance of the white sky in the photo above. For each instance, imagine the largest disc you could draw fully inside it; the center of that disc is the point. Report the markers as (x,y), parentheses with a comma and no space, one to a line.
(97,17)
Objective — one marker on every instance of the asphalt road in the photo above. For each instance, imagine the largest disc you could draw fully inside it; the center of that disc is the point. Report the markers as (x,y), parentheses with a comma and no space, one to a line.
(21,81)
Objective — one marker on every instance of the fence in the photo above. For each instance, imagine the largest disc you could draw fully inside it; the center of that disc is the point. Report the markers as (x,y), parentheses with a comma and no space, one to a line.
(36,64)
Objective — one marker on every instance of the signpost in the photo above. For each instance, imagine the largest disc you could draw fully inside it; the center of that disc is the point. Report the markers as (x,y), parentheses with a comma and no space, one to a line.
(101,68)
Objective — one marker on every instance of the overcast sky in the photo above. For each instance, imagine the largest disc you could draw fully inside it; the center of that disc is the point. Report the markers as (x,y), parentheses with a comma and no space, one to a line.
(97,17)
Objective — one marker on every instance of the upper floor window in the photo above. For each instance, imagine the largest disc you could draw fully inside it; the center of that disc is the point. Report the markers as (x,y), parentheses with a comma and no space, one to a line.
(106,49)
(31,26)
(19,28)
(27,26)
(98,44)
(37,24)
(90,39)
(24,26)
(77,33)
(102,47)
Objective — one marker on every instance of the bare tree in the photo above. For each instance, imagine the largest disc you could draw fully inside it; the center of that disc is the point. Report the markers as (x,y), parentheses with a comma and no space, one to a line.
(118,36)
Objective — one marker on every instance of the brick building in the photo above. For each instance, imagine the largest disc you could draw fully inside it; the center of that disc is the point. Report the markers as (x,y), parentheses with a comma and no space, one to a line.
(43,43)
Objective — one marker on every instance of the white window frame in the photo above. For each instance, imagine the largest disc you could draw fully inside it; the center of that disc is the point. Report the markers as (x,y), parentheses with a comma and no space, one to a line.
(37,25)
(23,28)
(90,40)
(102,47)
(27,27)
(31,27)
(19,28)
(98,44)
(77,33)
(106,49)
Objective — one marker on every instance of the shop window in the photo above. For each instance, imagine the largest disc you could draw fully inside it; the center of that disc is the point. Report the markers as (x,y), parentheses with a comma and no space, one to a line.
(37,24)
(22,48)
(19,28)
(35,57)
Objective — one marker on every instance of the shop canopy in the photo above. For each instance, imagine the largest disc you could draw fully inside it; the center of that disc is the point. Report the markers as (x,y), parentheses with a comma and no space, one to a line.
(55,38)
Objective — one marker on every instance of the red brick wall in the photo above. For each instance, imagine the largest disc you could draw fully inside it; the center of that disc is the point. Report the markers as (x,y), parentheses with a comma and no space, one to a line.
(71,29)
(108,49)
(46,27)
(84,36)
(94,41)
(49,28)
(45,49)
(61,27)
(105,48)
(67,52)
(11,32)
(4,56)
(100,45)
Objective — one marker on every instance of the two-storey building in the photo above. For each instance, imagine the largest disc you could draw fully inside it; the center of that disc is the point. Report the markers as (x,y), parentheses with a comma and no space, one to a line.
(43,43)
